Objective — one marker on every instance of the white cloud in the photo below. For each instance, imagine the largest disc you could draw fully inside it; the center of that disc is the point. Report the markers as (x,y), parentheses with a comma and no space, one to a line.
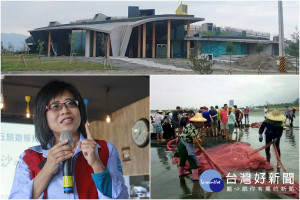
(194,91)
(21,16)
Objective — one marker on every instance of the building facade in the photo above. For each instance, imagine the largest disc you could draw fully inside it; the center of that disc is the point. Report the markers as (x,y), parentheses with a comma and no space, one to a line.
(143,35)
(231,102)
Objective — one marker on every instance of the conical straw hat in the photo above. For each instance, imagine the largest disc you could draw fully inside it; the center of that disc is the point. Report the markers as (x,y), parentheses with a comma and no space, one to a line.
(198,118)
(275,115)
(160,111)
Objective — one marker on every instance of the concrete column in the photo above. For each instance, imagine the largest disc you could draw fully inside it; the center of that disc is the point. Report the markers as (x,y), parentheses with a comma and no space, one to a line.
(169,39)
(139,41)
(281,30)
(49,43)
(144,39)
(282,67)
(87,43)
(108,45)
(94,44)
(188,42)
(153,40)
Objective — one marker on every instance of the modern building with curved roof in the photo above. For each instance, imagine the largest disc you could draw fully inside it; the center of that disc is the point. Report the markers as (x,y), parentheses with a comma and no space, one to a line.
(142,34)
(146,35)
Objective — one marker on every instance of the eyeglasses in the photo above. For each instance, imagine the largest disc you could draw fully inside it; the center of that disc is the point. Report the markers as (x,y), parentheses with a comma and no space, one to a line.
(58,106)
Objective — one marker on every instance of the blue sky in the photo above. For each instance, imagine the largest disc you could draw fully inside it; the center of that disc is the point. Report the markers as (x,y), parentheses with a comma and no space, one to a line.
(21,16)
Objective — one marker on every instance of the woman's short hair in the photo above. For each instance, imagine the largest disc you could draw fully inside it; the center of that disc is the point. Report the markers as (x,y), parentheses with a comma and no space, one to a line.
(42,131)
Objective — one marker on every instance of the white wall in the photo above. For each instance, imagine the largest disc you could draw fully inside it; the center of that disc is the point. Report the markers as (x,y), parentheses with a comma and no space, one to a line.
(15,138)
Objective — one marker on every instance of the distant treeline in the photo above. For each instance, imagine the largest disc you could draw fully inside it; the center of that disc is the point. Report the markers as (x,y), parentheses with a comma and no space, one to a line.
(282,105)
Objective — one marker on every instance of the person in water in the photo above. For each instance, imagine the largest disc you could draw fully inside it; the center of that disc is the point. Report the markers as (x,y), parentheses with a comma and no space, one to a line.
(158,119)
(231,122)
(187,140)
(273,128)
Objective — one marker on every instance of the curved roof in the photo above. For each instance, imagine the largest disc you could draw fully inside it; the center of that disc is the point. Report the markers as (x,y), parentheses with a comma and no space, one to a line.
(119,30)
(109,26)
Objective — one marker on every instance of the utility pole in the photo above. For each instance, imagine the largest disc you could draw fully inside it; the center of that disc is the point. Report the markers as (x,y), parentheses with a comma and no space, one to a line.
(282,66)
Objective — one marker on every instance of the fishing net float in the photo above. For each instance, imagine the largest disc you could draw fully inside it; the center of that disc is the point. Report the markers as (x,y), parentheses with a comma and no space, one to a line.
(237,156)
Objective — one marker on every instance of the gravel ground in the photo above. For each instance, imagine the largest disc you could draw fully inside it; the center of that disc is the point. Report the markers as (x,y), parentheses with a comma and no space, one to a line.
(148,66)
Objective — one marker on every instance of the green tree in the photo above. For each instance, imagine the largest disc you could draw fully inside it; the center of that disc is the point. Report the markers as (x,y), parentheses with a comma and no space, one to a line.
(40,49)
(24,48)
(2,52)
(10,47)
(293,46)
(103,47)
(229,51)
(73,42)
(198,62)
(259,48)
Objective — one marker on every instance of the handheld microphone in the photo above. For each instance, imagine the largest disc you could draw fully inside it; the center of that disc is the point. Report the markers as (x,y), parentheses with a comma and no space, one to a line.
(67,164)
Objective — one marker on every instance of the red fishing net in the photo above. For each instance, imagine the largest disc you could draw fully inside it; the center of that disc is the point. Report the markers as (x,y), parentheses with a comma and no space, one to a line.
(256,124)
(230,157)
(237,156)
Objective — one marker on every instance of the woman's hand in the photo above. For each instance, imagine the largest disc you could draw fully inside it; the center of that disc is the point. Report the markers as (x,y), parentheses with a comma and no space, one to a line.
(58,153)
(89,149)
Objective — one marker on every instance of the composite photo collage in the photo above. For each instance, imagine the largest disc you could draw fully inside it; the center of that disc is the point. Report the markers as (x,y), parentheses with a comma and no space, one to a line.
(149,99)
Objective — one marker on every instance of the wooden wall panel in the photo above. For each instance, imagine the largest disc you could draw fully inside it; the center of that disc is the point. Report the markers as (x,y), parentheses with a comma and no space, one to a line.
(118,132)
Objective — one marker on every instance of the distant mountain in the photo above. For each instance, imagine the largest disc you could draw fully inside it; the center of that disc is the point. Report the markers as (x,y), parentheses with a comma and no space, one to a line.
(17,40)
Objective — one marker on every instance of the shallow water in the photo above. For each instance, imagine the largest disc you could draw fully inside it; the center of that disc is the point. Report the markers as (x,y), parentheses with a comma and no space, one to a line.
(165,183)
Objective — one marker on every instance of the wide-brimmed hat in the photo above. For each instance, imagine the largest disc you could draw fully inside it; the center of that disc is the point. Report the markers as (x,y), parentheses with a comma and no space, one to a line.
(160,111)
(169,111)
(275,115)
(231,108)
(198,118)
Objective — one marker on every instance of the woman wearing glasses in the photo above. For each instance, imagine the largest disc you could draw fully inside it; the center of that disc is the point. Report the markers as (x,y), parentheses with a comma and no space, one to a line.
(97,170)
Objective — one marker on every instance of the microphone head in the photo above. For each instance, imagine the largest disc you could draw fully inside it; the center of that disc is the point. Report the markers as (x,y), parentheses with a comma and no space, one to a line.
(67,135)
